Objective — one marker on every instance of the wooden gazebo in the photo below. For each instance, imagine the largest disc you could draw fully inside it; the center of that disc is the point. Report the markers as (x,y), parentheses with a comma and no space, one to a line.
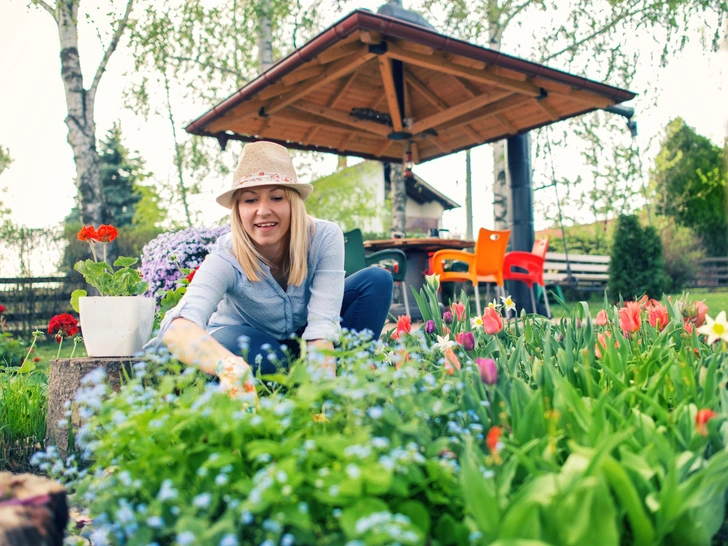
(377,87)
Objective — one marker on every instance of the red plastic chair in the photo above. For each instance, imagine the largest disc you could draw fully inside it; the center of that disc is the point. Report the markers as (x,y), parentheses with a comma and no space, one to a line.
(528,267)
(484,265)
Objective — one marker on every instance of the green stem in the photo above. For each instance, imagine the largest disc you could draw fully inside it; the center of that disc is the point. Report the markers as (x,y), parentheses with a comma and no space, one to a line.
(93,252)
(75,342)
(104,252)
(60,344)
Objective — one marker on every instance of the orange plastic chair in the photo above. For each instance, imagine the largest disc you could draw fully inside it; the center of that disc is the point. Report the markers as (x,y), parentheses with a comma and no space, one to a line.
(527,267)
(484,265)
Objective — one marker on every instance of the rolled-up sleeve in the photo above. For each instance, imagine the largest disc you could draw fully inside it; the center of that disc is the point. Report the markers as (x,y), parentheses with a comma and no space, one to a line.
(327,288)
(212,280)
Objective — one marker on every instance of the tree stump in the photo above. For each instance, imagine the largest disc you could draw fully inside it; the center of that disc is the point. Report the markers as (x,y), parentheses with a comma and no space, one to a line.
(33,510)
(63,382)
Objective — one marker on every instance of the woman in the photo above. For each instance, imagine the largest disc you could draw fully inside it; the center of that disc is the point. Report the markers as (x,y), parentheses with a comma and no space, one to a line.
(278,273)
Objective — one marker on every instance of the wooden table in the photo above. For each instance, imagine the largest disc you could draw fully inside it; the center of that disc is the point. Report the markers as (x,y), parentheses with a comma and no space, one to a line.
(418,252)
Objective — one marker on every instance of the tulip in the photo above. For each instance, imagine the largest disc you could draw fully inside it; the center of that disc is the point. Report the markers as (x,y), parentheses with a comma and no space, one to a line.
(629,317)
(658,317)
(488,370)
(467,340)
(459,309)
(447,317)
(451,361)
(701,421)
(433,282)
(492,322)
(404,326)
(702,311)
(602,318)
(493,439)
(430,327)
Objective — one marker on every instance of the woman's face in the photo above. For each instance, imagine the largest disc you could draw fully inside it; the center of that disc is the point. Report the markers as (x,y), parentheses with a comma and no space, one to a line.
(266,216)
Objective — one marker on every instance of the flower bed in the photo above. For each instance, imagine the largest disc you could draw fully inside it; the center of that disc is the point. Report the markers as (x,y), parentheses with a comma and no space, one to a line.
(571,433)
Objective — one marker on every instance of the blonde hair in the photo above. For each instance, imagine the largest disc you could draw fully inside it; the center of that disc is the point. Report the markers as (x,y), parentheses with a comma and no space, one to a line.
(298,240)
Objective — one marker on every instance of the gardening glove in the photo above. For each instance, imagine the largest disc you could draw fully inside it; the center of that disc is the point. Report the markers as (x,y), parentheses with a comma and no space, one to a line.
(236,378)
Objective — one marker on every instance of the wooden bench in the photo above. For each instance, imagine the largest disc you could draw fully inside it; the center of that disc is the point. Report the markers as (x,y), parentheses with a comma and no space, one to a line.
(590,273)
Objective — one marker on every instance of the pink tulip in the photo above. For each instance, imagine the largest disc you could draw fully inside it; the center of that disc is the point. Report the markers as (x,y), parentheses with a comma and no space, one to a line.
(459,309)
(702,310)
(467,340)
(451,361)
(492,321)
(488,370)
(629,317)
(602,318)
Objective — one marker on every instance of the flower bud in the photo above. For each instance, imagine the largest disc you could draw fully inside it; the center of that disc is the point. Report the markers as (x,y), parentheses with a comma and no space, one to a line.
(488,370)
(447,317)
(467,340)
(433,282)
(430,327)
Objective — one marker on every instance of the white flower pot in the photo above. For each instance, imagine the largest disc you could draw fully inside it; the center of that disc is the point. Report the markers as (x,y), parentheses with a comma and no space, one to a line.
(115,325)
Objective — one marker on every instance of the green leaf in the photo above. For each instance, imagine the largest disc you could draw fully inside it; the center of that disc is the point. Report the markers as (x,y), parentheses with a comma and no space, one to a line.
(124,261)
(417,513)
(479,494)
(75,295)
(364,507)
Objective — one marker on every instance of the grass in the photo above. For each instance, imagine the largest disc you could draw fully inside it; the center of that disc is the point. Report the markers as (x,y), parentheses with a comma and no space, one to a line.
(23,406)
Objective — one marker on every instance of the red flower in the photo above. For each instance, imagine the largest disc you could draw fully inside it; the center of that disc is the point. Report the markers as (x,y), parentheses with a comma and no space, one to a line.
(451,360)
(629,317)
(493,439)
(488,370)
(2,309)
(404,325)
(492,321)
(36,359)
(106,234)
(701,420)
(192,274)
(63,326)
(658,316)
(701,310)
(88,233)
(459,309)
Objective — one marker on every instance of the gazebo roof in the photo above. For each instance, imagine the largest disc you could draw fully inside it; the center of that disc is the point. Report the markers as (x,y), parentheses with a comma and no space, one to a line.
(373,86)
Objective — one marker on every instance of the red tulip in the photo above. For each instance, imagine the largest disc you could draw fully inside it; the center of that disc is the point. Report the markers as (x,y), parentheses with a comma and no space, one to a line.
(492,440)
(404,326)
(629,317)
(658,316)
(459,309)
(702,310)
(492,321)
(701,420)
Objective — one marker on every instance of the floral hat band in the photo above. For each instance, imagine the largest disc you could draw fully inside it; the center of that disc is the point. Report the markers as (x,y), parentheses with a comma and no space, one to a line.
(264,164)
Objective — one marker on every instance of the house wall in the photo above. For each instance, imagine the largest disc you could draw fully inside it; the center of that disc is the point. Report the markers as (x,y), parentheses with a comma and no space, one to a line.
(423,217)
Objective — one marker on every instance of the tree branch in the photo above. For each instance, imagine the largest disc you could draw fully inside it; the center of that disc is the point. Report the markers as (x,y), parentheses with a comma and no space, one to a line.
(112,47)
(199,62)
(602,30)
(46,7)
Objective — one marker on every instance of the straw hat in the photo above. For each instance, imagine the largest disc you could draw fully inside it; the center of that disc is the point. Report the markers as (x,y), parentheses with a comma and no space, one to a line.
(264,164)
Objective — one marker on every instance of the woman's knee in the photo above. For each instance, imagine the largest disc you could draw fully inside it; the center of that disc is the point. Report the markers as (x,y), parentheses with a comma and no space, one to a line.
(379,279)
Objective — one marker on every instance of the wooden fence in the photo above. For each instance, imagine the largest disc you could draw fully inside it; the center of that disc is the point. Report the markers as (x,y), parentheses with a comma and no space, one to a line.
(712,273)
(30,302)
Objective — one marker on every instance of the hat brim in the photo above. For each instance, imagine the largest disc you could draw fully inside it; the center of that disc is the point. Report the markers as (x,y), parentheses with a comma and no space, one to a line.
(226,198)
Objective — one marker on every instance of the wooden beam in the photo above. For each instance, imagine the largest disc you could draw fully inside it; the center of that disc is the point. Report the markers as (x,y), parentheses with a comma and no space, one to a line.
(336,53)
(390,92)
(439,63)
(304,118)
(507,124)
(497,107)
(458,110)
(415,149)
(344,142)
(370,37)
(242,111)
(342,90)
(335,70)
(579,95)
(468,87)
(310,134)
(302,73)
(552,114)
(384,147)
(341,117)
(472,133)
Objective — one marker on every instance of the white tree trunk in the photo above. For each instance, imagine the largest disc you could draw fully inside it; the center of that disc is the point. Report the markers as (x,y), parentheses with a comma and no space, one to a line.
(502,215)
(80,118)
(399,199)
(265,37)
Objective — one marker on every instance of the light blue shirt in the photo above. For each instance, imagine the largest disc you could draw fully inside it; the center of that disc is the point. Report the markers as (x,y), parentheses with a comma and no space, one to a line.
(221,295)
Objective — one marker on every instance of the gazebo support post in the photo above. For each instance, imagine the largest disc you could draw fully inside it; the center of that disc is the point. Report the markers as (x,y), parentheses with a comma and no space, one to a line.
(518,151)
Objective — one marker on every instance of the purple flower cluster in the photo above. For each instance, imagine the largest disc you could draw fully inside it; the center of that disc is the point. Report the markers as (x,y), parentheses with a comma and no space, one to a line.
(164,256)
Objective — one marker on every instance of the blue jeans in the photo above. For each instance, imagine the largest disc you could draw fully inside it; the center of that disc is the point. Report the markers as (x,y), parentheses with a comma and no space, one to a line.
(367,297)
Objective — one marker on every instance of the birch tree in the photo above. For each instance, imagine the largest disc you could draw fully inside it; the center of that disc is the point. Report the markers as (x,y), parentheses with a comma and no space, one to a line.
(81,101)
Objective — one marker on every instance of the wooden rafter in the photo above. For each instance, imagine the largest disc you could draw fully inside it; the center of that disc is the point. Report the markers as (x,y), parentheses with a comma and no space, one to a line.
(340,117)
(497,107)
(336,53)
(332,72)
(440,64)
(346,85)
(344,142)
(507,124)
(301,74)
(458,110)
(310,134)
(390,92)
(245,110)
(383,148)
(308,119)
(552,114)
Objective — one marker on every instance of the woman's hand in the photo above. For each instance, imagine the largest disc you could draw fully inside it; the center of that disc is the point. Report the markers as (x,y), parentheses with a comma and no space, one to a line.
(329,362)
(236,378)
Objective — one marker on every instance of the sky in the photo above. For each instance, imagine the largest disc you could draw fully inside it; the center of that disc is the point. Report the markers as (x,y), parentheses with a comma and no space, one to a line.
(40,186)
